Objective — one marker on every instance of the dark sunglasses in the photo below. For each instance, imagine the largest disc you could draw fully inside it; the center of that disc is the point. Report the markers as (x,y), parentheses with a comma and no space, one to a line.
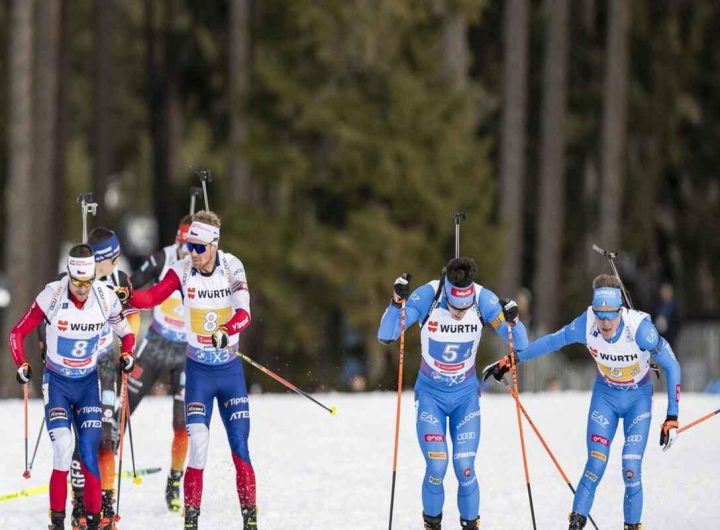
(606,315)
(81,283)
(199,248)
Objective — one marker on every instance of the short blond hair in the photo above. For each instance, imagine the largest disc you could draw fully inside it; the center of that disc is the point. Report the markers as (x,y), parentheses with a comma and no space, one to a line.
(606,280)
(207,217)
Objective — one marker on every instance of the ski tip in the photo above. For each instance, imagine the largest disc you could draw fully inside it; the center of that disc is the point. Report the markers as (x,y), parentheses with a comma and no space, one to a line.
(26,474)
(333,410)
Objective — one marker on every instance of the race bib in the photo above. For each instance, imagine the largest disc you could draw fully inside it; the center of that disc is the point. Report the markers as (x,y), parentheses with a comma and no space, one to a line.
(206,321)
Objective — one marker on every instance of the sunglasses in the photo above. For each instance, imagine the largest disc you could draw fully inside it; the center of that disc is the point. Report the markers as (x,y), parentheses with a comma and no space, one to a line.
(81,283)
(606,315)
(199,248)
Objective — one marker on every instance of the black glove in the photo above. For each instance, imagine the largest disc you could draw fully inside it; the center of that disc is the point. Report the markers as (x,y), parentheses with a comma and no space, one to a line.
(24,373)
(127,362)
(668,432)
(124,293)
(401,289)
(497,369)
(510,310)
(221,338)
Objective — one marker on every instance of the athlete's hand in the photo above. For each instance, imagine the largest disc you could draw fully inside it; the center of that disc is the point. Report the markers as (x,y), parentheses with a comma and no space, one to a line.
(221,338)
(127,362)
(668,432)
(510,310)
(497,369)
(123,293)
(24,373)
(401,289)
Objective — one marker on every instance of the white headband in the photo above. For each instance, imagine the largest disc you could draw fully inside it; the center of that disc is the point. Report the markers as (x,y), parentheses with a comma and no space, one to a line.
(204,233)
(81,268)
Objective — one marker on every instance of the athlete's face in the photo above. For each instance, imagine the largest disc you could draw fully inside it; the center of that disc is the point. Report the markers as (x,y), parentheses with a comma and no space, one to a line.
(607,320)
(106,267)
(204,261)
(455,313)
(80,292)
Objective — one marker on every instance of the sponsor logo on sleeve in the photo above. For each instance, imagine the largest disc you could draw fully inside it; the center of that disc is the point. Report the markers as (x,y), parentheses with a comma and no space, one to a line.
(599,419)
(434,480)
(57,413)
(437,455)
(629,474)
(591,476)
(600,440)
(599,455)
(434,438)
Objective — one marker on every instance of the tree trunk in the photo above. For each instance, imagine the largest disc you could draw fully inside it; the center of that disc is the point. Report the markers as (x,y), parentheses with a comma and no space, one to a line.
(552,164)
(102,137)
(512,154)
(239,176)
(47,40)
(613,129)
(455,46)
(19,201)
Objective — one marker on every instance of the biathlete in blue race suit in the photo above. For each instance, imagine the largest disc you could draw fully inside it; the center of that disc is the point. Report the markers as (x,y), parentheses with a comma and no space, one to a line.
(622,342)
(451,314)
(76,309)
(216,300)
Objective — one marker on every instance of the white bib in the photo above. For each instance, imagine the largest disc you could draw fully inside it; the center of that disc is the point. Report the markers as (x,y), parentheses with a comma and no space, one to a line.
(622,363)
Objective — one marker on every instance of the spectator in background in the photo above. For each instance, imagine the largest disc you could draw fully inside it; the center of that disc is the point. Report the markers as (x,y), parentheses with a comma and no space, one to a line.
(666,314)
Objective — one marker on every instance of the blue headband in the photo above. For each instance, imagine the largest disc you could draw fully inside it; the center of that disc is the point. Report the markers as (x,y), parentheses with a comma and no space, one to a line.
(460,297)
(107,249)
(607,296)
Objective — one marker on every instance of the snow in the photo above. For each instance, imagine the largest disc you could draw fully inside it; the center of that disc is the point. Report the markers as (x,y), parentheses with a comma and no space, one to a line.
(319,472)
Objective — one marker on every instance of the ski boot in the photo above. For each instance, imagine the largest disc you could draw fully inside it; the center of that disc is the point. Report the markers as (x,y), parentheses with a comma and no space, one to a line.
(93,521)
(467,524)
(632,526)
(432,523)
(249,515)
(577,521)
(77,517)
(108,511)
(172,491)
(57,521)
(191,518)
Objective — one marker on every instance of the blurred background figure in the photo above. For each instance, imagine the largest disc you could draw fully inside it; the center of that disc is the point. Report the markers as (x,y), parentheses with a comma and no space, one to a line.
(666,314)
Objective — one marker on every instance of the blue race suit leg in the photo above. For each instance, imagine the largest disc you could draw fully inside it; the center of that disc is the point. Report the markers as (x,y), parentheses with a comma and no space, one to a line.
(431,423)
(465,434)
(636,426)
(602,423)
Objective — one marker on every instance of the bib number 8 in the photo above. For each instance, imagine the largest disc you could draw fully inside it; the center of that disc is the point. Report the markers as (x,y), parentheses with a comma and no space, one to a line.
(210,323)
(79,349)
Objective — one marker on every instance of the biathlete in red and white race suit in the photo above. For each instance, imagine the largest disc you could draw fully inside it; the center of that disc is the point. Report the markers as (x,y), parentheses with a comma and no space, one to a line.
(451,314)
(217,308)
(622,342)
(75,308)
(163,351)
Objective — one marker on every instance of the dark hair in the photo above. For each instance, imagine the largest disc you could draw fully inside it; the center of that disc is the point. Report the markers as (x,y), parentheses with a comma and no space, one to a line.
(81,251)
(606,280)
(99,234)
(461,272)
(186,219)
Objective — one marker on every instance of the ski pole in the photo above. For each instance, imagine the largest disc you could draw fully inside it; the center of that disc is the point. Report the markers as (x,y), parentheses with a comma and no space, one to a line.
(457,217)
(332,409)
(699,420)
(37,443)
(123,395)
(397,409)
(26,398)
(136,478)
(205,176)
(194,194)
(544,444)
(513,368)
(86,207)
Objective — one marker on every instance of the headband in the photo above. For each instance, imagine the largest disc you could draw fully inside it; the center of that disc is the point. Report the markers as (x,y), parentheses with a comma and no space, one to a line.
(107,249)
(204,232)
(607,296)
(81,268)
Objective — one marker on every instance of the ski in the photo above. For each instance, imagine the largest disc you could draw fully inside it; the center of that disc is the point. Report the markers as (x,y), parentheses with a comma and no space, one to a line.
(29,492)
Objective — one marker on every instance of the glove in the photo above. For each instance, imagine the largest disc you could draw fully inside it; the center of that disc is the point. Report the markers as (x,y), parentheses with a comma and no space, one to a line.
(510,310)
(221,338)
(668,432)
(497,369)
(24,373)
(123,293)
(401,289)
(127,362)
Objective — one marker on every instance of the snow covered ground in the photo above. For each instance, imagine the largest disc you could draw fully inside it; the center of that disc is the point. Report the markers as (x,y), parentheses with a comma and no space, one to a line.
(318,472)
